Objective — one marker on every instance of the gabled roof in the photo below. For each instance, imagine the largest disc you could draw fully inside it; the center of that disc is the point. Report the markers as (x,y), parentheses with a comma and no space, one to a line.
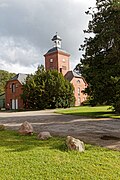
(20,77)
(76,74)
(71,74)
(54,49)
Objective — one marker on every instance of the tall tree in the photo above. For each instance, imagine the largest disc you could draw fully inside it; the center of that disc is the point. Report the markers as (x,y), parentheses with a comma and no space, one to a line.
(47,89)
(100,64)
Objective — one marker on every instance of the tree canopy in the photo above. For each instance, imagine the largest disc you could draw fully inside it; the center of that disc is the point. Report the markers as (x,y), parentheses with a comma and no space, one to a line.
(100,64)
(47,89)
(4,77)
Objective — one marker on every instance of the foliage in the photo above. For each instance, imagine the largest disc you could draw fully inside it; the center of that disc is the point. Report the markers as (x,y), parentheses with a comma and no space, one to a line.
(100,64)
(25,157)
(47,89)
(4,77)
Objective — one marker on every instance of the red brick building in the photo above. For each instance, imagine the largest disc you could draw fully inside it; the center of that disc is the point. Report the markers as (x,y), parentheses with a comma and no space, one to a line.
(79,84)
(13,91)
(55,58)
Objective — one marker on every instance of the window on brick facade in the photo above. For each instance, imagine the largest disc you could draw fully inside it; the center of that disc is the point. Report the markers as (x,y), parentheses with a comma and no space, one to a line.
(51,60)
(78,81)
(13,87)
(60,70)
(78,91)
(79,102)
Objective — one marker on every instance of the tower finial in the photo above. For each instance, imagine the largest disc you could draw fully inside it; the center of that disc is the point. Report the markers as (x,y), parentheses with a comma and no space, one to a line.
(57,41)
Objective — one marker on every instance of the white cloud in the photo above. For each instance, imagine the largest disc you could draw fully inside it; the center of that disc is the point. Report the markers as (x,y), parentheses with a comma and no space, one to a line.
(26,29)
(17,68)
(20,56)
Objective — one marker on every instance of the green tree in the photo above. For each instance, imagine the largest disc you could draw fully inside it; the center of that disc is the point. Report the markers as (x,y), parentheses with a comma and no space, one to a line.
(100,64)
(47,89)
(4,77)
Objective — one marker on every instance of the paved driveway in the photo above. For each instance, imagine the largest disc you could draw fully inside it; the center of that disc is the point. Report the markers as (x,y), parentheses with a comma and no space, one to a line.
(104,131)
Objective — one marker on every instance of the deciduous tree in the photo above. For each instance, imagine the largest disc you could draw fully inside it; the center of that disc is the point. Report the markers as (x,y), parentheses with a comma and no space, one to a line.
(100,64)
(47,89)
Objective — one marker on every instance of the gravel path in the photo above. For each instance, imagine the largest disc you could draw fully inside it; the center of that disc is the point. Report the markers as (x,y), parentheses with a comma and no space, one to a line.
(104,131)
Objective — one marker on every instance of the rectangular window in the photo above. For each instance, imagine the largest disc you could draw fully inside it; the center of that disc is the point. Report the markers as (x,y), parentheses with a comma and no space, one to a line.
(78,91)
(13,104)
(60,70)
(51,60)
(16,104)
(13,87)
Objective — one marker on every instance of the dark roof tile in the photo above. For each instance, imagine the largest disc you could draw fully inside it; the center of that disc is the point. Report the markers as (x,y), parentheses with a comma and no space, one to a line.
(54,49)
(20,77)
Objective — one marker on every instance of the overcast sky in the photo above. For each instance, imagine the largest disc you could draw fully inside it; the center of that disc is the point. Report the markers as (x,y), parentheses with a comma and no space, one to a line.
(27,26)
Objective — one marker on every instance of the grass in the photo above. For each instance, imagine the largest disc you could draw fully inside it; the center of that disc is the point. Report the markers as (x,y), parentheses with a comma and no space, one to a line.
(26,158)
(88,111)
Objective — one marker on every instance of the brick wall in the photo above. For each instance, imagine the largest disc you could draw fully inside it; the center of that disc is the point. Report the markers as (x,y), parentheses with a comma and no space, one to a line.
(63,63)
(57,60)
(79,85)
(9,95)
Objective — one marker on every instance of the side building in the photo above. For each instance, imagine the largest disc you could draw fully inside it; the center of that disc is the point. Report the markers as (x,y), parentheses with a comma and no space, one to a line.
(79,84)
(13,91)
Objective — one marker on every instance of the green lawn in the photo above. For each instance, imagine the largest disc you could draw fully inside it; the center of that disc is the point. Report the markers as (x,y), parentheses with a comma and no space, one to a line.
(88,111)
(26,158)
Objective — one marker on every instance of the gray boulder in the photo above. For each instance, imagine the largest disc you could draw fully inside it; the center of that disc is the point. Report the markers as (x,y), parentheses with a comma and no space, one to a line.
(44,135)
(26,129)
(75,144)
